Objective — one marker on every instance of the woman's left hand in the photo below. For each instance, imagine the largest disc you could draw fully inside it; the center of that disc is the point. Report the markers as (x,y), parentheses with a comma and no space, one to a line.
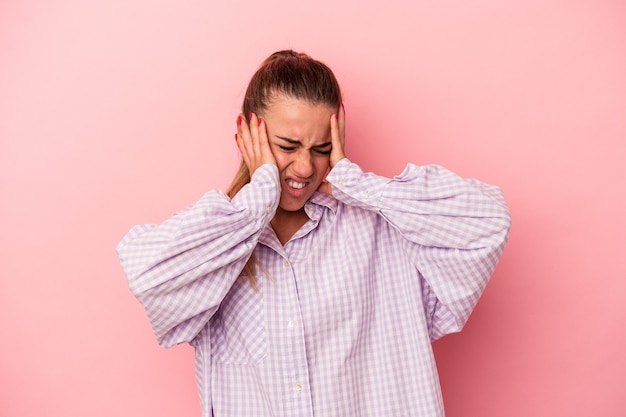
(338,136)
(338,139)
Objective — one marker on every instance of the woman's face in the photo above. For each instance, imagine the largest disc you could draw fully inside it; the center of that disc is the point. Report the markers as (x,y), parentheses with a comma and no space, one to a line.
(299,136)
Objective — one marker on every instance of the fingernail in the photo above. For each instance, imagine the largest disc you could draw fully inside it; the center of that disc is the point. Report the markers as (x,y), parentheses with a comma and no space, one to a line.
(336,117)
(260,120)
(239,120)
(250,117)
(235,137)
(343,107)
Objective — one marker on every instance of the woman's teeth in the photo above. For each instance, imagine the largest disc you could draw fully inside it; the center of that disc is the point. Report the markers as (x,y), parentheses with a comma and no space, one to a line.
(296,185)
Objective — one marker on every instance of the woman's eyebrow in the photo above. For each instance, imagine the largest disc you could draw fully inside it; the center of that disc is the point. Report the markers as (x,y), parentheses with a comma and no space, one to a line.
(289,140)
(323,145)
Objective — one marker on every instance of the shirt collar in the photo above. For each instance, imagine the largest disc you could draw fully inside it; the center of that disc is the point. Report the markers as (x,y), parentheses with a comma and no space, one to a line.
(325,200)
(313,208)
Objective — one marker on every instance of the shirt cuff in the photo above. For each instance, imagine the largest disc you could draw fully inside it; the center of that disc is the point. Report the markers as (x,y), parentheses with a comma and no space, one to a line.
(354,187)
(261,196)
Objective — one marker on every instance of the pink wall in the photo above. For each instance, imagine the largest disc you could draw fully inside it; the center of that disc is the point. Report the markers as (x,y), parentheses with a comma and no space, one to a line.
(118,112)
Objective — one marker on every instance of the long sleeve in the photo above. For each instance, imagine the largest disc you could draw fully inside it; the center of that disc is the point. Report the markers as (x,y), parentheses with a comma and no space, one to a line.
(181,269)
(455,231)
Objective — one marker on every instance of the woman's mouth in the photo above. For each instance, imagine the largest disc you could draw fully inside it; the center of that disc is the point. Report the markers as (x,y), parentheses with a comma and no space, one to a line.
(295,184)
(296,189)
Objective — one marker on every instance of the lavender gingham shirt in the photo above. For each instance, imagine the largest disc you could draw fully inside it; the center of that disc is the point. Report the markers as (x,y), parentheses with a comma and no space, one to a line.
(342,319)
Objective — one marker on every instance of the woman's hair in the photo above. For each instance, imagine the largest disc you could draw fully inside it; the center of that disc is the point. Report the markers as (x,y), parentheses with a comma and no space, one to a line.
(290,74)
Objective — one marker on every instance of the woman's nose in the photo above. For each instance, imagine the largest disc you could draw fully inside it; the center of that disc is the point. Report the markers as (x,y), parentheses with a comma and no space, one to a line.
(303,166)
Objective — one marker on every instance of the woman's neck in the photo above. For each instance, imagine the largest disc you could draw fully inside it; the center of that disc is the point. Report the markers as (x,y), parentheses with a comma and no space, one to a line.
(287,223)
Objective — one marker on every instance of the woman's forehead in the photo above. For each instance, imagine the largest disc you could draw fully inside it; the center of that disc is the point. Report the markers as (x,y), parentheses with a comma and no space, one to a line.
(299,120)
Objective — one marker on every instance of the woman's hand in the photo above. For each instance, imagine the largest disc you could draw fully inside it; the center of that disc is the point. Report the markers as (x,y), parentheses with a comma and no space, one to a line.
(338,136)
(338,139)
(253,143)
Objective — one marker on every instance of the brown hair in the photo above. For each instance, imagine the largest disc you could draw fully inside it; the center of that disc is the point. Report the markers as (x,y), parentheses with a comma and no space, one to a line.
(294,75)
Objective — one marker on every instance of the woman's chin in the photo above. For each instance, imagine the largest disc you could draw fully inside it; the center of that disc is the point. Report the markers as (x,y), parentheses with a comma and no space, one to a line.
(292,204)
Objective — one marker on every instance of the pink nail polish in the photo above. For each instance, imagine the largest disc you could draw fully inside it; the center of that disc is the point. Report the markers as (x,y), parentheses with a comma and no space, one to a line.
(250,117)
(236,137)
(260,120)
(239,120)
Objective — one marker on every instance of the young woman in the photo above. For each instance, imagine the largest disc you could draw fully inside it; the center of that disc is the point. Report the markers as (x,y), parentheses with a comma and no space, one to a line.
(312,288)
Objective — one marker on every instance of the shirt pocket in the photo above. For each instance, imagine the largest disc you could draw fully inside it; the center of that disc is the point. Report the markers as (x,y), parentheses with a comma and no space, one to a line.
(238,335)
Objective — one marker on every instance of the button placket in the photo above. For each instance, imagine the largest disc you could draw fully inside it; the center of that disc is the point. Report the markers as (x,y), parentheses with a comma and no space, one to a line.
(294,361)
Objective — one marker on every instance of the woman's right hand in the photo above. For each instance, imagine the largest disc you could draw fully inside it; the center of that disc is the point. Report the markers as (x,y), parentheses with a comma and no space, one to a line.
(253,143)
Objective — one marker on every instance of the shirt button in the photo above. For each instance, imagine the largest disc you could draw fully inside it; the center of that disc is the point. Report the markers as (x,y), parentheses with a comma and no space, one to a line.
(286,263)
(291,324)
(297,387)
(340,182)
(268,209)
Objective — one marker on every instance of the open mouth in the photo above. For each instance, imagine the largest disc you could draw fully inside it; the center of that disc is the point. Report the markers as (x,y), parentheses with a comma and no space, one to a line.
(295,184)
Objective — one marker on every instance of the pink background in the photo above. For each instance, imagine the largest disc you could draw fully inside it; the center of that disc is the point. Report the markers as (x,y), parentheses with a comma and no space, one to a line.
(121,112)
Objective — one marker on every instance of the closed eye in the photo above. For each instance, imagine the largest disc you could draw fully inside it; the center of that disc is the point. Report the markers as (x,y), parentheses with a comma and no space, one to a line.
(290,145)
